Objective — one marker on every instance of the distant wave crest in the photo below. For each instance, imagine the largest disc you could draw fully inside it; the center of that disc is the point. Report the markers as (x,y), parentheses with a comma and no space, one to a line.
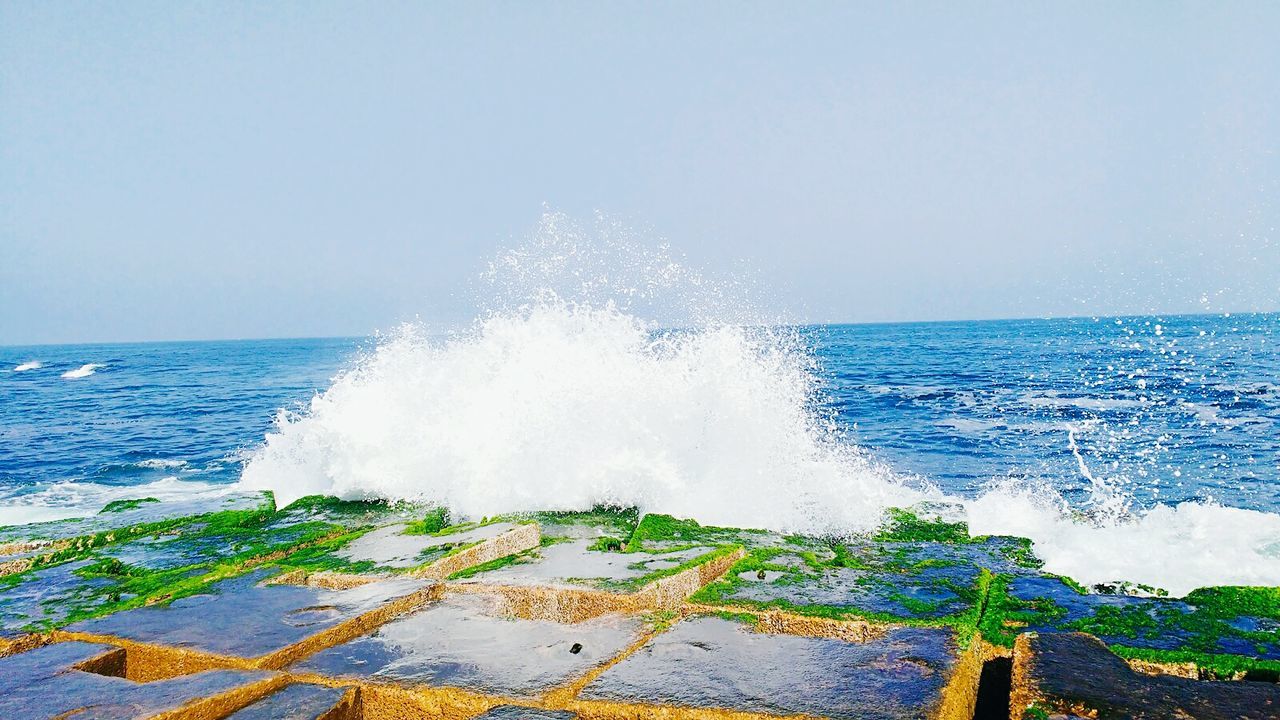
(83,371)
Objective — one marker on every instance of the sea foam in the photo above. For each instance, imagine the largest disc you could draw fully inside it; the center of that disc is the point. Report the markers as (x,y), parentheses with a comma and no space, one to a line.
(564,395)
(30,365)
(70,499)
(83,371)
(563,407)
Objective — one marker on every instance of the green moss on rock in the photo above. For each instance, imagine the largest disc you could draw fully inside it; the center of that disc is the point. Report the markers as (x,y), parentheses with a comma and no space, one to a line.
(905,526)
(121,505)
(435,520)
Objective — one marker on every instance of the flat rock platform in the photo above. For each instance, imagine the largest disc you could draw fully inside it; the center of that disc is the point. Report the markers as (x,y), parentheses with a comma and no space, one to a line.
(343,610)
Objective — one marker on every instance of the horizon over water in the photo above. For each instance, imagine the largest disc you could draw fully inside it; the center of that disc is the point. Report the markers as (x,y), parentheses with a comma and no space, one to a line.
(1114,424)
(1127,448)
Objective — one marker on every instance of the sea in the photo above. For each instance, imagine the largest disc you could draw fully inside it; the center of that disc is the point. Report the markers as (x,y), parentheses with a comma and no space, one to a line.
(1123,432)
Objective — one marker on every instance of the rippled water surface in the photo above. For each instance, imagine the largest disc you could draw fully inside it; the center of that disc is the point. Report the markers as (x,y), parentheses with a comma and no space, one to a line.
(1164,409)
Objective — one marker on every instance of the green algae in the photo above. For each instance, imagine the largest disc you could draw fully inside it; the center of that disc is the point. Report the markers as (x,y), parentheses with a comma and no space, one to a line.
(1203,628)
(110,567)
(527,556)
(1195,627)
(352,513)
(608,544)
(661,620)
(741,618)
(1019,551)
(976,600)
(112,585)
(1212,666)
(1035,712)
(676,533)
(1127,621)
(663,528)
(122,505)
(317,503)
(720,592)
(617,520)
(320,557)
(324,557)
(1080,589)
(466,526)
(658,529)
(905,526)
(237,537)
(882,565)
(657,534)
(1234,601)
(990,610)
(499,563)
(435,521)
(633,584)
(209,523)
(1128,588)
(1004,616)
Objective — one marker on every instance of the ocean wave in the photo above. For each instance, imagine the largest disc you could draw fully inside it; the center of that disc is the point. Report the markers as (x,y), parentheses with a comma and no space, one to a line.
(161,464)
(147,468)
(561,396)
(83,371)
(562,407)
(29,365)
(556,401)
(977,427)
(1176,547)
(69,499)
(1095,404)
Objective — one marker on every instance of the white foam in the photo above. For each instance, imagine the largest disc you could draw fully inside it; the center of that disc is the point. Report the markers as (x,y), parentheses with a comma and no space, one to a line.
(1178,548)
(561,407)
(83,371)
(161,464)
(1051,399)
(561,400)
(62,500)
(29,365)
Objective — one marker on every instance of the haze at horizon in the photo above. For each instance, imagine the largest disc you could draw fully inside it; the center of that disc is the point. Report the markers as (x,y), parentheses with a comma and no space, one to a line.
(228,171)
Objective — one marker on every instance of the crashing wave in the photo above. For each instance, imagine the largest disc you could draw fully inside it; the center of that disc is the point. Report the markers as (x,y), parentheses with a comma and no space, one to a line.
(565,394)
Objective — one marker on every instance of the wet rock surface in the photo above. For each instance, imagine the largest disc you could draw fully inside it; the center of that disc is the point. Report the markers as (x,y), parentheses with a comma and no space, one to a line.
(576,564)
(894,576)
(465,642)
(129,514)
(118,569)
(515,712)
(1074,673)
(247,617)
(392,547)
(299,701)
(1233,621)
(710,662)
(611,615)
(43,683)
(47,596)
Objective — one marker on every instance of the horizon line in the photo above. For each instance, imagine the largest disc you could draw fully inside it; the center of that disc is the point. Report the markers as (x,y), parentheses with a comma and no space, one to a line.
(858,323)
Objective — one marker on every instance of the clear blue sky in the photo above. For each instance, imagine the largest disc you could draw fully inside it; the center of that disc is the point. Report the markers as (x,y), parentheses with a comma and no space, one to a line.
(173,170)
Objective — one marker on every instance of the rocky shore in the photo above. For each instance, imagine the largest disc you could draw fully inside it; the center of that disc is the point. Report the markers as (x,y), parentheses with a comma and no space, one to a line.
(232,608)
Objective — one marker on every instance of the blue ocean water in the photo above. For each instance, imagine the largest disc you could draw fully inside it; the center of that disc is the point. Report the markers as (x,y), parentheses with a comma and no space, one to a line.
(147,412)
(1164,409)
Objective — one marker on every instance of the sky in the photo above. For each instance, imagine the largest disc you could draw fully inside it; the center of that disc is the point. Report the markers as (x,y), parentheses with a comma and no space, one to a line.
(176,170)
